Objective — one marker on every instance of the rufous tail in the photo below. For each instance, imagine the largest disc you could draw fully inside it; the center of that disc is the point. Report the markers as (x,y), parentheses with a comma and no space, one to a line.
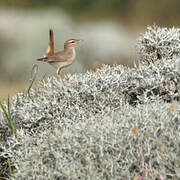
(50,50)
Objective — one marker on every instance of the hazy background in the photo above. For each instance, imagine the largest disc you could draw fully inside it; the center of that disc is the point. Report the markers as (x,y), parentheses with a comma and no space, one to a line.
(109,29)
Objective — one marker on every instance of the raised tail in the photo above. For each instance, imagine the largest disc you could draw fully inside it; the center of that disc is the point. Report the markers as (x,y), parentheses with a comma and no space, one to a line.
(50,50)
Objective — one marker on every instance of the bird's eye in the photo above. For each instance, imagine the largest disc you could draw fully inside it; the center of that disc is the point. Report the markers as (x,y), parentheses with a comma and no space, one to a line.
(72,41)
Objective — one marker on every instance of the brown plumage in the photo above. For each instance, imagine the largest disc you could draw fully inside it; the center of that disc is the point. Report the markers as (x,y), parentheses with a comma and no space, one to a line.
(60,59)
(51,43)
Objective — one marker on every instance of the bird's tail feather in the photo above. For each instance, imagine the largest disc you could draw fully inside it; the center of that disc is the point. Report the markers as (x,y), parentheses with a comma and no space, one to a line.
(50,50)
(43,59)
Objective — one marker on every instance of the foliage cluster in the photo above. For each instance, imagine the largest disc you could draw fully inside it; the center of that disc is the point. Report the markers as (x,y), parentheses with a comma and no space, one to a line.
(114,123)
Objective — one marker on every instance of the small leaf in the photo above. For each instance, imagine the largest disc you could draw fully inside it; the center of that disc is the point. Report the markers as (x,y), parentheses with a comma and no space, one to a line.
(8,116)
(10,168)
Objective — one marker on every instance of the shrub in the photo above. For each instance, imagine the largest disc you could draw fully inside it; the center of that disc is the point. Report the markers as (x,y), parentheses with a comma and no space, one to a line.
(114,123)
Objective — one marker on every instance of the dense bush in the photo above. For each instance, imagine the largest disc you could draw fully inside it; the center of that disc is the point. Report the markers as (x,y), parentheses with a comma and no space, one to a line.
(116,123)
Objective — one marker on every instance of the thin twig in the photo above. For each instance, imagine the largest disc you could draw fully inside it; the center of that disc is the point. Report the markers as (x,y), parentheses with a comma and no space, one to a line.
(34,72)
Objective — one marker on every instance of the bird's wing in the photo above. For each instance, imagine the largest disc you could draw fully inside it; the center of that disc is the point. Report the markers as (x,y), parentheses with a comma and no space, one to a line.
(53,59)
(50,50)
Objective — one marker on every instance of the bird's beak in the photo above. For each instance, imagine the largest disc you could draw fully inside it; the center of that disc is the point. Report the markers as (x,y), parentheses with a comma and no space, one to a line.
(79,40)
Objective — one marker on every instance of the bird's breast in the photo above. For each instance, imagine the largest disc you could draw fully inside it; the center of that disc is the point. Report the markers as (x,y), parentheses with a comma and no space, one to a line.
(71,54)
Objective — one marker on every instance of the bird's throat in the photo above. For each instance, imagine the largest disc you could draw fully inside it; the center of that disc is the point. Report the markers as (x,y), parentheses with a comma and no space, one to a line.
(70,51)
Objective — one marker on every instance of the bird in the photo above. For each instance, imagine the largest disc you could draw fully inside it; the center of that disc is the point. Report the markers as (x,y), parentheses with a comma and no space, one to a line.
(60,59)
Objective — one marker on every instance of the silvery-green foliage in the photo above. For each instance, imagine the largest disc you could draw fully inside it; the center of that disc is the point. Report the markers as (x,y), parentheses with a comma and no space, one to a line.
(95,125)
(159,43)
(104,147)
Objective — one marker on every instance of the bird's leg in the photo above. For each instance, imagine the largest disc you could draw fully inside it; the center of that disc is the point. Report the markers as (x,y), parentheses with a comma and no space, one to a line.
(58,74)
(61,79)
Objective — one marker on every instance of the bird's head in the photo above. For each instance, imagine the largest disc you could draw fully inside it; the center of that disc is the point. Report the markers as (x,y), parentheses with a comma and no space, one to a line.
(71,43)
